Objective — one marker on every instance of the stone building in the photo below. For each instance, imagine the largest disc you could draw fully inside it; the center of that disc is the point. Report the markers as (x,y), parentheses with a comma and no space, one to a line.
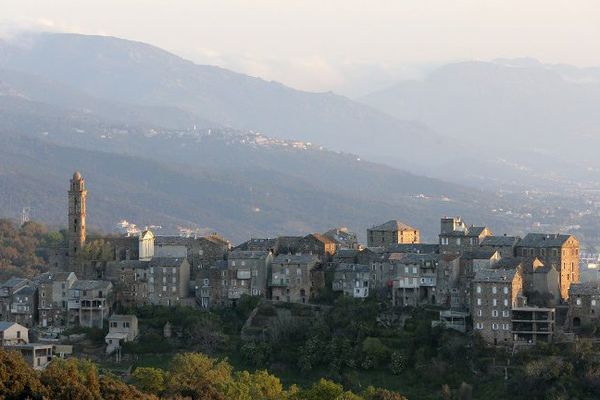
(352,280)
(7,292)
(53,297)
(495,293)
(392,232)
(23,309)
(343,238)
(121,329)
(146,245)
(130,280)
(318,244)
(505,245)
(12,333)
(584,304)
(90,302)
(553,250)
(77,215)
(415,280)
(456,237)
(450,294)
(212,285)
(292,277)
(168,280)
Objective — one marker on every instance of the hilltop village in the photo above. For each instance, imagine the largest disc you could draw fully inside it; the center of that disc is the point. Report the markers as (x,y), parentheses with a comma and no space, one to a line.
(510,291)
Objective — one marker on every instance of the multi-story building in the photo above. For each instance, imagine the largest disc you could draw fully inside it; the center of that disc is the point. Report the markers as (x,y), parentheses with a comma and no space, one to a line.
(495,293)
(23,308)
(12,333)
(36,355)
(505,245)
(531,325)
(343,238)
(90,302)
(212,284)
(130,280)
(415,280)
(53,297)
(390,233)
(352,280)
(7,291)
(247,274)
(456,237)
(553,250)
(318,244)
(292,277)
(449,292)
(168,280)
(584,304)
(121,329)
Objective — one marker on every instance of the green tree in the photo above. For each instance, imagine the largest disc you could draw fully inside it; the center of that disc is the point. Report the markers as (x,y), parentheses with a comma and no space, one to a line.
(198,376)
(149,380)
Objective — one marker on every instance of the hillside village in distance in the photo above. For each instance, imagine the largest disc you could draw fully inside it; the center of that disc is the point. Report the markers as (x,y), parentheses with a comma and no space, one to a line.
(511,291)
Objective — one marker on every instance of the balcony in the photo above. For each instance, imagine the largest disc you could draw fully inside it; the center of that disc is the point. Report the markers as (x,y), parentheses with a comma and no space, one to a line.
(279,283)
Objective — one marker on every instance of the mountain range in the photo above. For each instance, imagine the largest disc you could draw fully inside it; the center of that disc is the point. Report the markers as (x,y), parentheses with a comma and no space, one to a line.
(164,141)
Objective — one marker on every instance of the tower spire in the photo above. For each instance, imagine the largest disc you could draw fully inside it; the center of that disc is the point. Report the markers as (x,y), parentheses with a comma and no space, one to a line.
(77,199)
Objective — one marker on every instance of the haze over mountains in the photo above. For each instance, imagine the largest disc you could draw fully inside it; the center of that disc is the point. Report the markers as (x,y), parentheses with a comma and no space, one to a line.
(167,142)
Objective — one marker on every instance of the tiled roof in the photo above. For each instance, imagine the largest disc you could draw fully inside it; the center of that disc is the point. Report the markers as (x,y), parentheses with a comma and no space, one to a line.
(4,325)
(495,275)
(320,238)
(479,254)
(418,258)
(421,248)
(393,226)
(296,259)
(166,261)
(90,285)
(543,240)
(352,268)
(248,254)
(500,241)
(14,281)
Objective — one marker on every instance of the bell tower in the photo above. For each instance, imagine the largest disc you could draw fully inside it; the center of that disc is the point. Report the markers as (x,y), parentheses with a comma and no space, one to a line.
(77,197)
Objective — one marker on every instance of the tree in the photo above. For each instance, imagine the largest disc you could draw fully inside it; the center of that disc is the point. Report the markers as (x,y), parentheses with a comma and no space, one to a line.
(259,385)
(322,390)
(68,380)
(149,380)
(381,394)
(112,388)
(17,379)
(198,376)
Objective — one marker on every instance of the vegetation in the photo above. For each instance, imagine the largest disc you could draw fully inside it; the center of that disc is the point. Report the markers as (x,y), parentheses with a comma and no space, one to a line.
(20,248)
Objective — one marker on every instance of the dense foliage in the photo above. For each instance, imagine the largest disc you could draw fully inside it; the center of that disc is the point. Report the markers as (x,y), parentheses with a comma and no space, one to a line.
(20,248)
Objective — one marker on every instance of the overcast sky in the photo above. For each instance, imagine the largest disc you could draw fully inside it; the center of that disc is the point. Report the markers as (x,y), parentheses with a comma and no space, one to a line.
(349,46)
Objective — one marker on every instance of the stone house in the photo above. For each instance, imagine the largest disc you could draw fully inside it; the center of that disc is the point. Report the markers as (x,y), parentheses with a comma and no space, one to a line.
(352,280)
(584,304)
(212,285)
(121,329)
(53,297)
(168,280)
(289,244)
(392,232)
(23,309)
(449,292)
(505,245)
(343,238)
(378,260)
(495,293)
(130,280)
(455,236)
(415,280)
(318,244)
(7,291)
(554,250)
(12,333)
(259,244)
(292,277)
(345,256)
(248,273)
(90,302)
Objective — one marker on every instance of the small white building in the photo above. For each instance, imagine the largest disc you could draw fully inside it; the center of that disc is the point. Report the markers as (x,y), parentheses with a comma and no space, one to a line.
(12,333)
(37,355)
(121,329)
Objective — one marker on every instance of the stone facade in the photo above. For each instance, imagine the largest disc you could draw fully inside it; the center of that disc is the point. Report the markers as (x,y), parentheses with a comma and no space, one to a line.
(584,304)
(291,278)
(77,215)
(168,280)
(495,292)
(53,297)
(90,302)
(558,251)
(392,232)
(352,280)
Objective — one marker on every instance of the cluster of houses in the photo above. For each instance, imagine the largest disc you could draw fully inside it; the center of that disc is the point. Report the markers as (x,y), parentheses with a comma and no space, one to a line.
(515,290)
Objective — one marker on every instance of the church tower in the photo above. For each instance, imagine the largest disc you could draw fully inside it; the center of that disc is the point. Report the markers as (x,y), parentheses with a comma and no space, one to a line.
(77,196)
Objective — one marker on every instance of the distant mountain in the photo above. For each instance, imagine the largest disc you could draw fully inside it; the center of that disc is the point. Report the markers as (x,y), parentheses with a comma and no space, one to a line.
(240,184)
(519,110)
(91,70)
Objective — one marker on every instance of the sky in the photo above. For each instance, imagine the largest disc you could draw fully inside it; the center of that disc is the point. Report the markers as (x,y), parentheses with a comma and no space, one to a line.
(347,46)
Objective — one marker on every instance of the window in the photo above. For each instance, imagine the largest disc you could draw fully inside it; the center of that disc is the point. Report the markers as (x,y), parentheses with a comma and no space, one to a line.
(505,290)
(479,313)
(174,289)
(298,271)
(164,288)
(505,302)
(494,313)
(414,270)
(479,325)
(205,282)
(174,270)
(494,302)
(495,327)
(505,327)
(578,301)
(593,302)
(494,290)
(478,302)
(233,263)
(125,324)
(505,313)
(478,289)
(243,263)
